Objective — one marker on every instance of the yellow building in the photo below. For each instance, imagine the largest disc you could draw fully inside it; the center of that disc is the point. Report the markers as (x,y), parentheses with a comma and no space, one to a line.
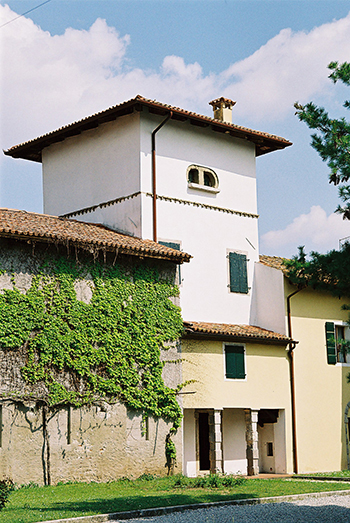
(322,394)
(239,415)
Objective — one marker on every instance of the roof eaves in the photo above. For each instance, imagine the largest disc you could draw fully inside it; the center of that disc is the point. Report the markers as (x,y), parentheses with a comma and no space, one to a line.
(191,331)
(31,150)
(34,227)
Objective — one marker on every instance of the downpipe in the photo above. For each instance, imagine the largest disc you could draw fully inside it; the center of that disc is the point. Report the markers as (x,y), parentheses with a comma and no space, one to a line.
(154,174)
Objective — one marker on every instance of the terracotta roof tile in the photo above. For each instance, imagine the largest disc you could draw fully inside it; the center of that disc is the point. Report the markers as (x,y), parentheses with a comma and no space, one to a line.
(248,332)
(42,227)
(274,261)
(31,150)
(226,101)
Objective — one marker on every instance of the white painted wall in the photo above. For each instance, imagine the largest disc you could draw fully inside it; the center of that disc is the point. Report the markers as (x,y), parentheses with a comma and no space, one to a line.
(180,144)
(268,307)
(233,441)
(114,160)
(266,434)
(94,167)
(189,444)
(280,442)
(123,217)
(206,234)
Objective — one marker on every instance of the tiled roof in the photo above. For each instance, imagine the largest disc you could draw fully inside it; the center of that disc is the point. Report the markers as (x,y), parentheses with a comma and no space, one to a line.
(239,332)
(41,227)
(32,149)
(274,261)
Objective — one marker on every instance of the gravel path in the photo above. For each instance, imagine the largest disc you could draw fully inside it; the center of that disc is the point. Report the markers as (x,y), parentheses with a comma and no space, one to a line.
(327,509)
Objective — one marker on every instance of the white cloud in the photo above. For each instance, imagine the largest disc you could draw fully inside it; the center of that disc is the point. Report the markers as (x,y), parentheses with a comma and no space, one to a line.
(45,78)
(289,67)
(315,230)
(49,81)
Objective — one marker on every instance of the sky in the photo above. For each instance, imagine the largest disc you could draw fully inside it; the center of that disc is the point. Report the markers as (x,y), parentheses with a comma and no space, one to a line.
(68,59)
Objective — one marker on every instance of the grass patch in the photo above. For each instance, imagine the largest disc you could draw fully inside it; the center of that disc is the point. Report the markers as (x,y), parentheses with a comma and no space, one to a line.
(31,504)
(336,474)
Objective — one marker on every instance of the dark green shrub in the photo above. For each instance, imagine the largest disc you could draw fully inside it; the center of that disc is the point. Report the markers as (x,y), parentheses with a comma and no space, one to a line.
(214,481)
(200,482)
(181,481)
(6,487)
(232,481)
(147,477)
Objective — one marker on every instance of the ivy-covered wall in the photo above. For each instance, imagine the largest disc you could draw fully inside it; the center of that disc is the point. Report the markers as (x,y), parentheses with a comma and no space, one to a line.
(77,333)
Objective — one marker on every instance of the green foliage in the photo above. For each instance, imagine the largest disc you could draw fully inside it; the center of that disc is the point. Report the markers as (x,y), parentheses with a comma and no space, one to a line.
(146,477)
(6,487)
(211,481)
(108,348)
(332,142)
(170,450)
(329,272)
(86,499)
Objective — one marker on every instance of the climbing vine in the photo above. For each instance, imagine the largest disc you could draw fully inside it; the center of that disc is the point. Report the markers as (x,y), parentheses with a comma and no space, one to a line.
(108,347)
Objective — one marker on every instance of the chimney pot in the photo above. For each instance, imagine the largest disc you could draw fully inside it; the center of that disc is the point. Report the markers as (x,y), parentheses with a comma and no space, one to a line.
(222,108)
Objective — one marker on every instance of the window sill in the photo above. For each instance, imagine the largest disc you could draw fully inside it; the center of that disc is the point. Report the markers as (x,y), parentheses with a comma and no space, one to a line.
(206,188)
(339,364)
(235,379)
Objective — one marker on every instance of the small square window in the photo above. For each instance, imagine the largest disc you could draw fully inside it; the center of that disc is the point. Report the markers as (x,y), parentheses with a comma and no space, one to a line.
(234,362)
(269,448)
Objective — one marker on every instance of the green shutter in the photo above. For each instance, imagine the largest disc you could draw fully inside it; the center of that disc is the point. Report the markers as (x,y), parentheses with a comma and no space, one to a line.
(330,342)
(234,360)
(171,245)
(177,247)
(238,273)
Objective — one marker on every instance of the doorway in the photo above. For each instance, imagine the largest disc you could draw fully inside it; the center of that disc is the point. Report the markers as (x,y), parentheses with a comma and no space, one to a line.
(203,441)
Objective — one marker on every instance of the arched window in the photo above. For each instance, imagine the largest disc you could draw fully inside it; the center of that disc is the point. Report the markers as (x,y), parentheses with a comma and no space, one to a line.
(202,178)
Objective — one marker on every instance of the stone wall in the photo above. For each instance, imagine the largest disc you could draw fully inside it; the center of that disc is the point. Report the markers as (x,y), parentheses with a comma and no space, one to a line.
(93,443)
(97,443)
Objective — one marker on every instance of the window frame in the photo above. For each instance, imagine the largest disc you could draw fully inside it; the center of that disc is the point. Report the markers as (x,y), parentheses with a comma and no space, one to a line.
(337,325)
(201,174)
(243,346)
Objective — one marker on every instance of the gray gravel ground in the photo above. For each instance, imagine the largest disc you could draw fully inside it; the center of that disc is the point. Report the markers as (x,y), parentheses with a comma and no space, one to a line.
(331,509)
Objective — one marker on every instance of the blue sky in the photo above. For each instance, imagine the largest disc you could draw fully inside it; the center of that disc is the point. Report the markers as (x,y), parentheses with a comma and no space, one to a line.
(68,59)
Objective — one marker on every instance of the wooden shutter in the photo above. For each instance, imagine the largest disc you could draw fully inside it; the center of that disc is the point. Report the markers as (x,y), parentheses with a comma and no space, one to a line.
(234,360)
(330,342)
(238,273)
(177,247)
(172,245)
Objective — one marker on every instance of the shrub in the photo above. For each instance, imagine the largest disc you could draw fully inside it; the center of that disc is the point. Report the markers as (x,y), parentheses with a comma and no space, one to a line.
(147,477)
(208,481)
(6,487)
(233,481)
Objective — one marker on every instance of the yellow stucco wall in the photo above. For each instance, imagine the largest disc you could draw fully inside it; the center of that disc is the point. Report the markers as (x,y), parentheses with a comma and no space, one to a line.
(321,389)
(266,386)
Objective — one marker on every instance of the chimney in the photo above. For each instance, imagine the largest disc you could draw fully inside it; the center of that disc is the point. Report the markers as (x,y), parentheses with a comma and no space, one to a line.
(222,108)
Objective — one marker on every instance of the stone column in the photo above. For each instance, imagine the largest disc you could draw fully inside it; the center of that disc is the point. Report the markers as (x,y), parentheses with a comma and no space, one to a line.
(215,439)
(251,436)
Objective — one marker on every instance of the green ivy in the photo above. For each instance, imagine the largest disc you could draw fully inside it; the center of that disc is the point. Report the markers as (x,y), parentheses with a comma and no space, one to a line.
(109,348)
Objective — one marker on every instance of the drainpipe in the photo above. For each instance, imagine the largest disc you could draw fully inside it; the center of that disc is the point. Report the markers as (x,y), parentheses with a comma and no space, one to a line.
(154,179)
(292,346)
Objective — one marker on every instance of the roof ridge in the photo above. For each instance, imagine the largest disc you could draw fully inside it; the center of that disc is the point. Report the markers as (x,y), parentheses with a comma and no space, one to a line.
(283,142)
